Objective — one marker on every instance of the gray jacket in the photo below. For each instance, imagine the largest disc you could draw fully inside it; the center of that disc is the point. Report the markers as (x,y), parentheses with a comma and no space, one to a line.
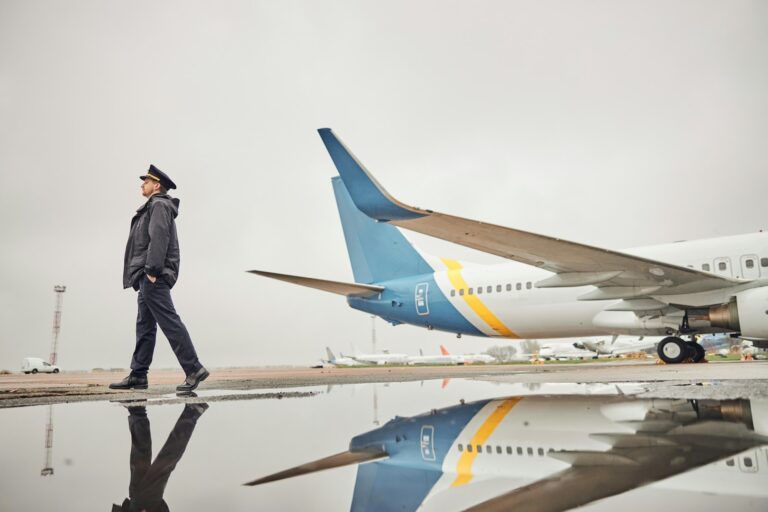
(153,247)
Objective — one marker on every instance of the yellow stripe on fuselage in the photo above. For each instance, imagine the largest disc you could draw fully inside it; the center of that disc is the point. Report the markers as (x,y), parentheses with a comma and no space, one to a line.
(473,301)
(464,466)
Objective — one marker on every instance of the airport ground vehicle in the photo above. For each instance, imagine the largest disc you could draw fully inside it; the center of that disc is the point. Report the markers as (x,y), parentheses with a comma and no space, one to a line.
(37,365)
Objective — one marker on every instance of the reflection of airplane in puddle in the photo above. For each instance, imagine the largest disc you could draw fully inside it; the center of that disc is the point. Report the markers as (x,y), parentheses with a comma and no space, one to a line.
(616,347)
(552,453)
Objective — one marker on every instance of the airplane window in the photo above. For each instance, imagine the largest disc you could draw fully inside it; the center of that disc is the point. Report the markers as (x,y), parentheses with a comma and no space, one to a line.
(750,263)
(528,285)
(519,450)
(764,262)
(498,287)
(470,291)
(469,448)
(453,293)
(509,287)
(541,452)
(705,267)
(479,290)
(748,462)
(489,289)
(498,449)
(479,448)
(488,449)
(519,286)
(509,450)
(721,265)
(461,291)
(530,451)
(461,447)
(730,462)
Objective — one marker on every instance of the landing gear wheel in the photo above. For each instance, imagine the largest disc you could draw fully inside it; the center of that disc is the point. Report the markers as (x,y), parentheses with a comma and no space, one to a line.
(56,370)
(34,370)
(672,350)
(696,351)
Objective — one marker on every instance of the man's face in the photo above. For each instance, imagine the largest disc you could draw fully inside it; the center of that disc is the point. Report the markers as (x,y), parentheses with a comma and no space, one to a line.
(149,187)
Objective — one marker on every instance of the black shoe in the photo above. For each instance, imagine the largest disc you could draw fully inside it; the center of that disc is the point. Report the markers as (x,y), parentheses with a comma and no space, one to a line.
(193,380)
(131,382)
(197,409)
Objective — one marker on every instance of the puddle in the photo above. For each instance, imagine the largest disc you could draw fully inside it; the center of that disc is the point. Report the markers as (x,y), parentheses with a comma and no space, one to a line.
(548,446)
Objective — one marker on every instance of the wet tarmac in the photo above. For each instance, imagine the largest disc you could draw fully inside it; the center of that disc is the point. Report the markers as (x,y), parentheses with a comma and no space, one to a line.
(608,438)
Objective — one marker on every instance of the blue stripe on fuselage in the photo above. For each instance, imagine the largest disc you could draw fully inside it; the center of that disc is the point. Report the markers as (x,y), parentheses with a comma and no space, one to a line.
(397,304)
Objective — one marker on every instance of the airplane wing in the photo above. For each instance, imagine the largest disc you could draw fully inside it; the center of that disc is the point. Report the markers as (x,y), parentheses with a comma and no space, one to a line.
(617,275)
(634,461)
(340,288)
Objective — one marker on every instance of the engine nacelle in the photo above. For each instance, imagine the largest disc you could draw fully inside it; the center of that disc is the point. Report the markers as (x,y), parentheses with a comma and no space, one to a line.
(748,314)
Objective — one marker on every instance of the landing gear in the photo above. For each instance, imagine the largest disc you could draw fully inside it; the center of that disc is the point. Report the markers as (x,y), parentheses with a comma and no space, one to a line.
(695,351)
(672,350)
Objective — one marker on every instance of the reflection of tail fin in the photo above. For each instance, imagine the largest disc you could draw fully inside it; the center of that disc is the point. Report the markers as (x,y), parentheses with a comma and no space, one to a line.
(377,251)
(444,350)
(331,357)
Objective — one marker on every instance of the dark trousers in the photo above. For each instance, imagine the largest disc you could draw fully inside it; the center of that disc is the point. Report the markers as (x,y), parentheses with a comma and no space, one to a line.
(148,479)
(156,308)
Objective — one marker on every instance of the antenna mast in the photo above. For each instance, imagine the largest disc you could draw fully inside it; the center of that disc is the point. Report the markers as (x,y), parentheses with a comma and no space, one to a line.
(373,333)
(59,289)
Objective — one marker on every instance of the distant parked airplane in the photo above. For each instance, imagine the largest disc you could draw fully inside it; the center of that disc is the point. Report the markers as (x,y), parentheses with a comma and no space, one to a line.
(618,348)
(569,289)
(381,358)
(339,361)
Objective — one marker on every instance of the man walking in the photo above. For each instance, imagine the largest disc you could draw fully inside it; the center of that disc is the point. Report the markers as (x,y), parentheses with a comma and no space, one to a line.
(151,267)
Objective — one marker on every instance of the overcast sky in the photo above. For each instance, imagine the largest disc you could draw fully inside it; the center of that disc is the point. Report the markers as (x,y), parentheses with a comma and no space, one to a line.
(618,124)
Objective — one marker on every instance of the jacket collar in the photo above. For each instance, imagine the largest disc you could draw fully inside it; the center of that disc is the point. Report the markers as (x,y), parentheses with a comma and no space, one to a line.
(146,205)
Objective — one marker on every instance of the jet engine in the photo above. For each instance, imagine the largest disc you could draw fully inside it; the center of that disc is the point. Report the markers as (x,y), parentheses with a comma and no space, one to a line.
(748,314)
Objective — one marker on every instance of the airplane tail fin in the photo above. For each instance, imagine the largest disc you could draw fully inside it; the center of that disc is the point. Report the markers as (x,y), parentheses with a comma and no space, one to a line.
(377,251)
(444,350)
(331,357)
(421,352)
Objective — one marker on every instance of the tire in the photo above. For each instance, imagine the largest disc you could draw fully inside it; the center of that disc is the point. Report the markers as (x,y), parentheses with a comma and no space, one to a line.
(672,350)
(55,370)
(697,352)
(34,370)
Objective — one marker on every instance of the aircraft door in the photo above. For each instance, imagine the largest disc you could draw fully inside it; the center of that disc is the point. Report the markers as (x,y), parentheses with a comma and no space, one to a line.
(427,442)
(723,266)
(422,299)
(750,268)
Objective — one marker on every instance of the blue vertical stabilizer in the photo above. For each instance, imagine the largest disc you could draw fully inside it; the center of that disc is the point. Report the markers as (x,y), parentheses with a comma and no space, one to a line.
(377,251)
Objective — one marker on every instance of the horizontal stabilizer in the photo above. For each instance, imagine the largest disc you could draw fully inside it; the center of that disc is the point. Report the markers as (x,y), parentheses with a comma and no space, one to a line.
(334,461)
(348,289)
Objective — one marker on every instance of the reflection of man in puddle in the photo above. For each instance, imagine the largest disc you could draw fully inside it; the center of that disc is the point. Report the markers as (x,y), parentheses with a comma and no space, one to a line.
(148,479)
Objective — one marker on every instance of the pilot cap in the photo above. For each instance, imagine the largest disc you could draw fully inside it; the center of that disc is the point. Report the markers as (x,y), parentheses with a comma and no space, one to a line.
(158,175)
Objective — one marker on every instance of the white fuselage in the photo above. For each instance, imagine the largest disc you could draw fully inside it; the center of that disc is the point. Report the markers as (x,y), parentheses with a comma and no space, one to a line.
(509,305)
(383,358)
